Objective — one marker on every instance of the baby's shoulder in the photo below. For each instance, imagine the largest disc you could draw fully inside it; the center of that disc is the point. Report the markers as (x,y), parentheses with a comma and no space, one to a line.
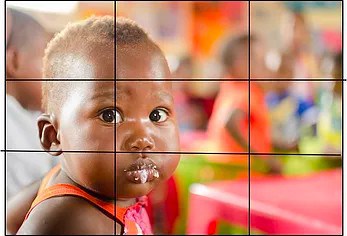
(66,215)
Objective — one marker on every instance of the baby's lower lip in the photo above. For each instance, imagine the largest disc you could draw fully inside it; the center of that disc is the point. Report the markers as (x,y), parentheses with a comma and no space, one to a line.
(142,176)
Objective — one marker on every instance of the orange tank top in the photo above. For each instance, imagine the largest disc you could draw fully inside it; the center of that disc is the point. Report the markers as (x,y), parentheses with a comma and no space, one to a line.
(112,211)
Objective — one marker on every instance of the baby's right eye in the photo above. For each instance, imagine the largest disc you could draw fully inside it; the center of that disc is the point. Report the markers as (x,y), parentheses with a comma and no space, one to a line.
(110,115)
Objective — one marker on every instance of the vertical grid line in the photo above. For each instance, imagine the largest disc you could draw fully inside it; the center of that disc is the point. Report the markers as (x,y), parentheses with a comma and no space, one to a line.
(5,148)
(114,129)
(342,9)
(249,118)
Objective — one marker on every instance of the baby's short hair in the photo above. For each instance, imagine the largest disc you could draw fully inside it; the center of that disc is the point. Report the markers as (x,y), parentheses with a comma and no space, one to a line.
(131,36)
(128,32)
(63,51)
(76,39)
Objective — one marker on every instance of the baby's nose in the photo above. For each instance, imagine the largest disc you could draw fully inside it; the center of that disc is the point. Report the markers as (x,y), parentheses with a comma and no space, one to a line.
(142,144)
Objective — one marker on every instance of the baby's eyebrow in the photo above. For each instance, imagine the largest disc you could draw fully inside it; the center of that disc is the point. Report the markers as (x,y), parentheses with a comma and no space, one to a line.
(108,94)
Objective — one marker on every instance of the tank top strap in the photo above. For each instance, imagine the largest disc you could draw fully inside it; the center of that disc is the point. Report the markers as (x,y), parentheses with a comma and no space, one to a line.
(71,190)
(111,209)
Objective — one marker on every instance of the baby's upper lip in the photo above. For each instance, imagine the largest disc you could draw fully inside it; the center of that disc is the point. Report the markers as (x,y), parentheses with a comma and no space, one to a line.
(142,163)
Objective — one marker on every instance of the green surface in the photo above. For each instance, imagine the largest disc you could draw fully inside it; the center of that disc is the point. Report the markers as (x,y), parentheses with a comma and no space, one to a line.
(225,228)
(304,165)
(196,169)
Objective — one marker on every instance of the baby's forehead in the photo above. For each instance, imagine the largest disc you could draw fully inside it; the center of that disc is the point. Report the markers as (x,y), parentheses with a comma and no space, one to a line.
(140,62)
(139,84)
(126,90)
(95,62)
(90,90)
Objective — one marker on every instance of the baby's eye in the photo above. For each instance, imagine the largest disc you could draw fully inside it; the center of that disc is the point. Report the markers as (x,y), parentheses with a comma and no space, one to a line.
(109,115)
(158,115)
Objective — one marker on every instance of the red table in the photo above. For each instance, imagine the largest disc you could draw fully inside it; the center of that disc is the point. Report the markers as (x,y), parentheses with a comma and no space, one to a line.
(279,205)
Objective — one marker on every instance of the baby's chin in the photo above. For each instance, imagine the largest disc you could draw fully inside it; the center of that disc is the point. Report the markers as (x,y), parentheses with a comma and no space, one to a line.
(135,190)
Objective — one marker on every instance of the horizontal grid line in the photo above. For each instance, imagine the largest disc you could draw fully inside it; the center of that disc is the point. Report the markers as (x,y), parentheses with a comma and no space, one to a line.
(181,80)
(43,151)
(180,152)
(61,80)
(226,80)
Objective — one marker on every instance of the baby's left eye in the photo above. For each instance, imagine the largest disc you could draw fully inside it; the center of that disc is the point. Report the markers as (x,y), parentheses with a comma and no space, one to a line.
(158,115)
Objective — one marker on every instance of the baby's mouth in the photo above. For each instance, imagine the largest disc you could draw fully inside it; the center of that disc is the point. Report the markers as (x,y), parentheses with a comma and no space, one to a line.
(142,171)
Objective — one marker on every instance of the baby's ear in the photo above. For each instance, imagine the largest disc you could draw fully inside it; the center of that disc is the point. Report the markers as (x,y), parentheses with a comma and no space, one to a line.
(49,136)
(11,62)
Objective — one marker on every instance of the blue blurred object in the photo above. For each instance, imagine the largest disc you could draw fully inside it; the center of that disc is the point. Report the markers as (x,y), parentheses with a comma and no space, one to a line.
(273,99)
(299,6)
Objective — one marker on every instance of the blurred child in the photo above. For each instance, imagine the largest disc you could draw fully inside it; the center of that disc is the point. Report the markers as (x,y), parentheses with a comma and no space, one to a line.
(298,44)
(228,126)
(81,196)
(232,115)
(25,48)
(25,44)
(287,107)
(299,59)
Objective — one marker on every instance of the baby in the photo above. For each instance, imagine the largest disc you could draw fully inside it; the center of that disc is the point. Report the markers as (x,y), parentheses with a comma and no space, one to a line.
(92,192)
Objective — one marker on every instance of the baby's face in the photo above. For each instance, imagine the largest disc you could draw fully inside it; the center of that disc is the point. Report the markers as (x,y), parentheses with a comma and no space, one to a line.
(86,123)
(145,123)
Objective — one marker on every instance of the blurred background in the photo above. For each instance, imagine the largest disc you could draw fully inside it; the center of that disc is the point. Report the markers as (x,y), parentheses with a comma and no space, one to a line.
(292,127)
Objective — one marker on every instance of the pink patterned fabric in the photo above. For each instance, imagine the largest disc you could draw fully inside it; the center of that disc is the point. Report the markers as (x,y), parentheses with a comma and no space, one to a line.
(138,214)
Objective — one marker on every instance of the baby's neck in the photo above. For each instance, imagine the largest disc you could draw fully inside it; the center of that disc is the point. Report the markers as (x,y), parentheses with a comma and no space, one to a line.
(125,202)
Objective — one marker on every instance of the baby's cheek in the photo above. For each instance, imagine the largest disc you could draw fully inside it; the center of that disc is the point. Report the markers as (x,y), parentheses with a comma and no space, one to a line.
(119,139)
(169,139)
(168,165)
(101,138)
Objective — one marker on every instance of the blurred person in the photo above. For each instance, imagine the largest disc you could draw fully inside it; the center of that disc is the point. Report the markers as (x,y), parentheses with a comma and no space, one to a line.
(229,123)
(298,46)
(300,60)
(321,130)
(291,102)
(287,108)
(330,117)
(27,40)
(24,52)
